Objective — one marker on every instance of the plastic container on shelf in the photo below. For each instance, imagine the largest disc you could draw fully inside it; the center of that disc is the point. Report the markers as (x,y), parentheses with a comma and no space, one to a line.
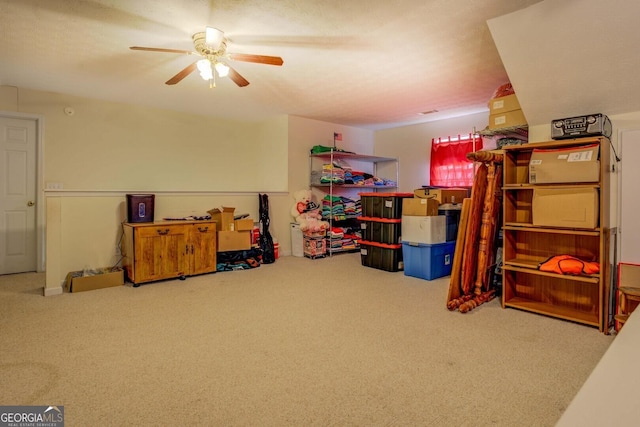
(383,205)
(381,230)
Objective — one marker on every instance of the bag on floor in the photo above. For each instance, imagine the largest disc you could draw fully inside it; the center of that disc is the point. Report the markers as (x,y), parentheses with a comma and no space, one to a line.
(266,241)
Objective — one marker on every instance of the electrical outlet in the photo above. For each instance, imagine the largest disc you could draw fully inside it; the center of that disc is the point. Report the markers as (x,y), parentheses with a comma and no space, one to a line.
(54,186)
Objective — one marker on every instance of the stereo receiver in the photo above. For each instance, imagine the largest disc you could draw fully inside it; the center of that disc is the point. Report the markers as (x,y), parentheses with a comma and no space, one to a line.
(577,127)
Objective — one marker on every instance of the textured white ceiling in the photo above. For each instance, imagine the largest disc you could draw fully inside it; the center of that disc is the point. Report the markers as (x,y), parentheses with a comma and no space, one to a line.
(364,63)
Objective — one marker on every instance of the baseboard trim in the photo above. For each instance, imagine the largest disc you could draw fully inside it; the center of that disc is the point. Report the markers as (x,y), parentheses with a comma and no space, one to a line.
(52,291)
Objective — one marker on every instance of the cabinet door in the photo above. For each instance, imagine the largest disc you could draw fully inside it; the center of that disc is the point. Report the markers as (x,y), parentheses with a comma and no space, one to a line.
(161,252)
(203,248)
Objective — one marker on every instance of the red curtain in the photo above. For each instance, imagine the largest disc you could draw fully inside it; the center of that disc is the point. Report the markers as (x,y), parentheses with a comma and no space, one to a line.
(449,164)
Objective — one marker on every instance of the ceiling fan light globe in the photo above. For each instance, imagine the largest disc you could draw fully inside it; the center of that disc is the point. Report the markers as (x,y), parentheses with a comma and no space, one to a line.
(206,75)
(213,38)
(204,66)
(222,69)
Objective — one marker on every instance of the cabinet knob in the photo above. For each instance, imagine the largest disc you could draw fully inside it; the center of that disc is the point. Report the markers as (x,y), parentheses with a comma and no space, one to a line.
(163,232)
(203,229)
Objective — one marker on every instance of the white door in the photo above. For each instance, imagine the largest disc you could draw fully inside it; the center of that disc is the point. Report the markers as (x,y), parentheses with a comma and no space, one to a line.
(17,195)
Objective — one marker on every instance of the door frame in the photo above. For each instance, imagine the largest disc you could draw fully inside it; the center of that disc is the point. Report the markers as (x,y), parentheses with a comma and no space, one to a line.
(40,207)
(620,183)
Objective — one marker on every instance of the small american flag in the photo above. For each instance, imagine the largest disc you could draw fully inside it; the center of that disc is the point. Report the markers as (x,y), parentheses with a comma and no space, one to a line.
(337,136)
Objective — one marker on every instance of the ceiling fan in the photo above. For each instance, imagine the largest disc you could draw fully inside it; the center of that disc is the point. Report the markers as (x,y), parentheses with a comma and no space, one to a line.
(211,46)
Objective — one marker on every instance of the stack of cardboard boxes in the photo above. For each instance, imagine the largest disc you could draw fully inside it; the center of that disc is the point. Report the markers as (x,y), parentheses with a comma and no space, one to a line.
(505,112)
(570,206)
(427,246)
(232,234)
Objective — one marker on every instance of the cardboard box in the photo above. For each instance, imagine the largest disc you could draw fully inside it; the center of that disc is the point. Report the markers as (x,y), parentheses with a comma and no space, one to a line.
(628,278)
(442,195)
(106,278)
(504,104)
(565,207)
(419,207)
(245,224)
(223,217)
(572,164)
(233,241)
(507,120)
(424,229)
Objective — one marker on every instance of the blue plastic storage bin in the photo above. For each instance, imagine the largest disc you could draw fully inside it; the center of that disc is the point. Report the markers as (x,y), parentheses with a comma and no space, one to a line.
(427,261)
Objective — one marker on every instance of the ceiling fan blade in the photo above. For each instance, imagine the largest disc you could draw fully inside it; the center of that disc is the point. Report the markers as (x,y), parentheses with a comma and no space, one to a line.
(237,78)
(260,59)
(182,74)
(159,49)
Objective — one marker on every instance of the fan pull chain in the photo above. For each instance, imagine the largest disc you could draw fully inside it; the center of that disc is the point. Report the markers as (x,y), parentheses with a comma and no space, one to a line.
(212,81)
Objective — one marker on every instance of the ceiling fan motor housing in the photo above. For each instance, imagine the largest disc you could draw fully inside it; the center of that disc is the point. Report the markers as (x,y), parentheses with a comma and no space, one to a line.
(201,46)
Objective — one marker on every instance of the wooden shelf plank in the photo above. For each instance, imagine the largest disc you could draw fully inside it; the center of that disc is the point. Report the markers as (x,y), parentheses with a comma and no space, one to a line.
(556,143)
(527,186)
(531,267)
(352,186)
(554,310)
(528,227)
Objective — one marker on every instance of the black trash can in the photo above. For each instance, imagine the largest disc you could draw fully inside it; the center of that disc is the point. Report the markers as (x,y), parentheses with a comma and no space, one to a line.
(140,207)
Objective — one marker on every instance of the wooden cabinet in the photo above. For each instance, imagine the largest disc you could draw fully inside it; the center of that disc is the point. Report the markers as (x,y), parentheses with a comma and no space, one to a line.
(166,250)
(579,298)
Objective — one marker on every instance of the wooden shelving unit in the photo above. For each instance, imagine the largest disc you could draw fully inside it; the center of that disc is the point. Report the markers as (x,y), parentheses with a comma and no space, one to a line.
(583,298)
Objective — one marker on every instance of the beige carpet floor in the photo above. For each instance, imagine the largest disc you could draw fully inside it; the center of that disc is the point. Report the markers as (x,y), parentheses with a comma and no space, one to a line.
(301,342)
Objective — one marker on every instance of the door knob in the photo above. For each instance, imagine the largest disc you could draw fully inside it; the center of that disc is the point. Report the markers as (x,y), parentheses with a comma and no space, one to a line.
(31,203)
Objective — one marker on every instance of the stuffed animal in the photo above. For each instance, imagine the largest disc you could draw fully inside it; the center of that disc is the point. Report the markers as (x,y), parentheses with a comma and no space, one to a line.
(307,213)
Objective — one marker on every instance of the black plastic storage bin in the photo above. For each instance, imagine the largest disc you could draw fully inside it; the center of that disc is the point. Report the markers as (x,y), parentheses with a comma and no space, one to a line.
(381,256)
(452,213)
(383,205)
(381,230)
(140,207)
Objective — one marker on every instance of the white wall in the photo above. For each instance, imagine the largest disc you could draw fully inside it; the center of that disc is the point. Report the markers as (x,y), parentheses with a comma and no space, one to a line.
(107,146)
